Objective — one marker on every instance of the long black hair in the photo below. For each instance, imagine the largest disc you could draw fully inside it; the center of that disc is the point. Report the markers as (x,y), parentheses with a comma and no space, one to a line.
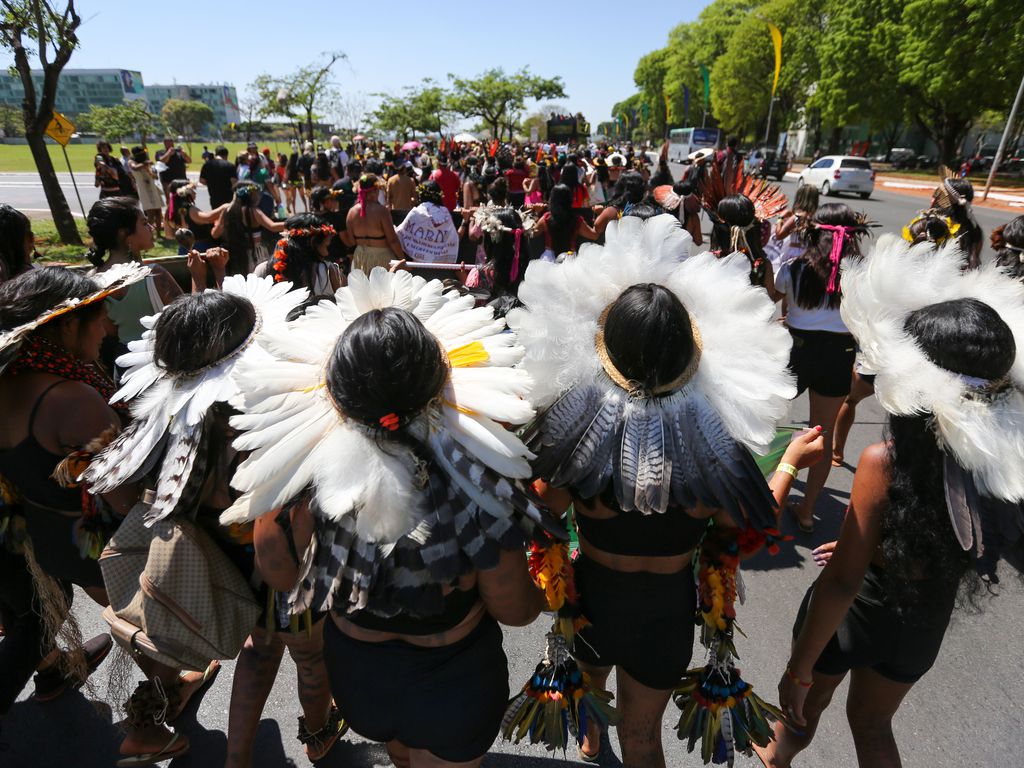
(562,221)
(921,551)
(1008,242)
(629,190)
(25,297)
(301,255)
(813,268)
(237,231)
(107,219)
(971,237)
(386,362)
(648,335)
(221,320)
(501,254)
(738,211)
(14,226)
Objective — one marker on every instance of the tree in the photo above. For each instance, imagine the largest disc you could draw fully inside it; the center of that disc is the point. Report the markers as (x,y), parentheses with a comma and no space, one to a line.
(251,110)
(743,74)
(957,58)
(121,120)
(497,98)
(302,92)
(53,33)
(650,79)
(350,112)
(186,117)
(421,109)
(10,121)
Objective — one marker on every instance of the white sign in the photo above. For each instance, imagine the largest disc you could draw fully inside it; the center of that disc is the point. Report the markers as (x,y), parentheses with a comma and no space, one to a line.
(428,234)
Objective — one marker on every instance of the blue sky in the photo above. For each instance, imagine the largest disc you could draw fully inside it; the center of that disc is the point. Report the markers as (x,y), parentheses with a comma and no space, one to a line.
(389,44)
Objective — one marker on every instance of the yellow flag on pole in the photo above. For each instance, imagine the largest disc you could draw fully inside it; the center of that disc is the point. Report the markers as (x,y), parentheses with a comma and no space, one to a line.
(777,41)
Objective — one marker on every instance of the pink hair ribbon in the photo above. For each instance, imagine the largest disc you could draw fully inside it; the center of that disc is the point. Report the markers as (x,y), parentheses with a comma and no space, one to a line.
(836,254)
(514,273)
(361,199)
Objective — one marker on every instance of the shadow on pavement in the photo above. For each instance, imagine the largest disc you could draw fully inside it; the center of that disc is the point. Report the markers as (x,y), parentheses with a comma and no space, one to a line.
(828,518)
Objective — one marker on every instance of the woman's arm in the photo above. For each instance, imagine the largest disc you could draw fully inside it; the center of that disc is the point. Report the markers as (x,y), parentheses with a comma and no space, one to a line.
(390,236)
(275,560)
(206,217)
(334,275)
(836,588)
(608,215)
(166,285)
(509,593)
(586,231)
(266,222)
(805,449)
(220,224)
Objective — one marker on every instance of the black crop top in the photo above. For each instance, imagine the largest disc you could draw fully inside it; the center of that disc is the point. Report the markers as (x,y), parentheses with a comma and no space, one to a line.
(635,534)
(457,606)
(29,465)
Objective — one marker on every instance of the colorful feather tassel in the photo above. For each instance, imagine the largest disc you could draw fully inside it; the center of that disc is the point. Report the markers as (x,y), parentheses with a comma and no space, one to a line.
(719,708)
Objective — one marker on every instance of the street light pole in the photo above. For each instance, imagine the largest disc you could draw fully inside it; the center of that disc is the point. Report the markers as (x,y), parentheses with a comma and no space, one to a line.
(1002,142)
(768,127)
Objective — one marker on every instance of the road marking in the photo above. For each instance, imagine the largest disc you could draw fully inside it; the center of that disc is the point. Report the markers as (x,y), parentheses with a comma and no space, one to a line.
(46,210)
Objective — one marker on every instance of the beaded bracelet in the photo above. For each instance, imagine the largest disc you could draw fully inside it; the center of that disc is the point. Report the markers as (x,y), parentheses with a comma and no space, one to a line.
(789,469)
(797,680)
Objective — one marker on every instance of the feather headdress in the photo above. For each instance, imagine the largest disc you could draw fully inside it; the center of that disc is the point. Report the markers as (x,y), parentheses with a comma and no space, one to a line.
(109,282)
(169,410)
(395,521)
(688,444)
(980,425)
(769,201)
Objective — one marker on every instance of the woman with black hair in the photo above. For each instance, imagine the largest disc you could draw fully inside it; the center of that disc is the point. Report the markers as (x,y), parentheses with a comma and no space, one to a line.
(111,176)
(413,647)
(629,190)
(784,244)
(823,349)
(17,243)
(369,229)
(120,234)
(240,227)
(505,251)
(301,256)
(1008,243)
(952,198)
(608,373)
(295,183)
(182,213)
(948,374)
(561,226)
(735,227)
(179,391)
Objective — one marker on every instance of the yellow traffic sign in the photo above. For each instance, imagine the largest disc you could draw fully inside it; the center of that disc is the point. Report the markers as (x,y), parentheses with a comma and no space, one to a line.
(60,129)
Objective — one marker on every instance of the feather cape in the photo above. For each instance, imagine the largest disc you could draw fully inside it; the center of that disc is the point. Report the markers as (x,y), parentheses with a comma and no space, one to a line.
(690,445)
(168,412)
(395,523)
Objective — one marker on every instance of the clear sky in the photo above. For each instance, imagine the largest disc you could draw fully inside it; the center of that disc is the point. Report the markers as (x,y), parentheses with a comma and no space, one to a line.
(389,44)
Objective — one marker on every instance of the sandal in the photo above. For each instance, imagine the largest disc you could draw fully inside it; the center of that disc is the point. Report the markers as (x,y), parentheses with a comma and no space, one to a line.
(587,758)
(52,682)
(319,743)
(805,528)
(152,758)
(209,675)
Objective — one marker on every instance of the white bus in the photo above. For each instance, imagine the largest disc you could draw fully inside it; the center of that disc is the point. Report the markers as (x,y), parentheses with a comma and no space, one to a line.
(684,141)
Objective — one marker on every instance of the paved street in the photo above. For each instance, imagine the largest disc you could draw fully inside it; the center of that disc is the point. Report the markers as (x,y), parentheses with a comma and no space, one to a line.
(967,712)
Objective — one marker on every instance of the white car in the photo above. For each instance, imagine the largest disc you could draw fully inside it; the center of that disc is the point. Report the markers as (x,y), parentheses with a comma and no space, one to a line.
(840,173)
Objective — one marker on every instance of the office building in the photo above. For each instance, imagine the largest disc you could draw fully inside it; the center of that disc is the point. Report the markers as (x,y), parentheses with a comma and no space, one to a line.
(222,99)
(79,89)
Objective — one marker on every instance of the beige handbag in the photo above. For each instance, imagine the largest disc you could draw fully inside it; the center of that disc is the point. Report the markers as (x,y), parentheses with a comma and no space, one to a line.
(174,595)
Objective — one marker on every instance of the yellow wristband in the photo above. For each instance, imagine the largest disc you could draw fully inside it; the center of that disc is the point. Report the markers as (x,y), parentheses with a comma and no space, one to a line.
(789,469)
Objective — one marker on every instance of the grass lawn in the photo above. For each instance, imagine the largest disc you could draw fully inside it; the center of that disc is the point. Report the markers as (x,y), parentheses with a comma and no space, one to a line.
(52,250)
(977,179)
(18,157)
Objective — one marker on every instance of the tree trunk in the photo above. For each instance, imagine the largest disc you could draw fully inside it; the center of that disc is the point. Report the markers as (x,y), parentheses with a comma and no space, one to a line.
(833,139)
(62,218)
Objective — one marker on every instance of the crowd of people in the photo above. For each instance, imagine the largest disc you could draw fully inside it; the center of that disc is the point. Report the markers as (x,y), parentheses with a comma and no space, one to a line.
(308,445)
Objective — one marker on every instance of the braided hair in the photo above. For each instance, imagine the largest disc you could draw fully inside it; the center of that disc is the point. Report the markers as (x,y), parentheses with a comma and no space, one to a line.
(108,218)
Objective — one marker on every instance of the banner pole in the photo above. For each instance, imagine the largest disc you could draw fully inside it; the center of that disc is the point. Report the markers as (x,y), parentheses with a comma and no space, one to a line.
(67,160)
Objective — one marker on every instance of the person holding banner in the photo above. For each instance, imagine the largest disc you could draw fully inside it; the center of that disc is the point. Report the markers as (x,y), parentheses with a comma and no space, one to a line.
(428,233)
(368,229)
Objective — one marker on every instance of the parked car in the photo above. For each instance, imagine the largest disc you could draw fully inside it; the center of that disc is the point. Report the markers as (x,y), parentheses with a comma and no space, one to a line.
(903,157)
(833,174)
(765,163)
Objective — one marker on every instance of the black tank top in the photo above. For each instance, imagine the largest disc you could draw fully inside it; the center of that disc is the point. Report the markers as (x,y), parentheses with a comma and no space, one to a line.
(28,465)
(635,534)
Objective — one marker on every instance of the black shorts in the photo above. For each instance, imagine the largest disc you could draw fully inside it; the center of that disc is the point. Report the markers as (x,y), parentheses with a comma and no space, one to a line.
(640,622)
(872,634)
(448,700)
(822,361)
(53,541)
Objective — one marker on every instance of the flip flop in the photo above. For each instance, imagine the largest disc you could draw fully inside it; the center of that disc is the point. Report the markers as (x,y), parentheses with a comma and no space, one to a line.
(209,675)
(588,758)
(152,758)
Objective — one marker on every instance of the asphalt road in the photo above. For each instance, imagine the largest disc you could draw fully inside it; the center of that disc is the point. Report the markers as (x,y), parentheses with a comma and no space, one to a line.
(966,712)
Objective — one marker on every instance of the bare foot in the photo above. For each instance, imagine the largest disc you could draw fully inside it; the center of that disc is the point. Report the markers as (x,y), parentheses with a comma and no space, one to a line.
(837,459)
(804,519)
(591,741)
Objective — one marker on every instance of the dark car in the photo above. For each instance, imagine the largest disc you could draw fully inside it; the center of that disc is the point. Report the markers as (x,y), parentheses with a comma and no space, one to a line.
(766,164)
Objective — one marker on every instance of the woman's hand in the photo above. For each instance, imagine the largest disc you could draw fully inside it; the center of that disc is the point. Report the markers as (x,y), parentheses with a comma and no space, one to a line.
(217,259)
(823,554)
(793,688)
(196,264)
(399,266)
(806,449)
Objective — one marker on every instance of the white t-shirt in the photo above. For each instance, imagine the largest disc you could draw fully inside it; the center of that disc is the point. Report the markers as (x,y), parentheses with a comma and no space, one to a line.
(820,319)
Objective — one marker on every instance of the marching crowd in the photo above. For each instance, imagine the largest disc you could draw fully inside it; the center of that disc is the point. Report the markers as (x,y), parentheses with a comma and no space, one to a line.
(310,446)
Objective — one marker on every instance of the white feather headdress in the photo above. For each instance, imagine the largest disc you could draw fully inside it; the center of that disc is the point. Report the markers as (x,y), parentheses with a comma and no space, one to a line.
(169,410)
(984,434)
(659,451)
(376,498)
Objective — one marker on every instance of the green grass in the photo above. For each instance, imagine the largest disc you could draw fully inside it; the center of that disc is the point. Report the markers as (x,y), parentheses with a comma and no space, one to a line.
(977,179)
(18,157)
(53,251)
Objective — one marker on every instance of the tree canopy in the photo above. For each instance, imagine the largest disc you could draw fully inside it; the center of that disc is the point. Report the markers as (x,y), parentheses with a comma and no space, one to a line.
(303,93)
(186,117)
(498,99)
(121,120)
